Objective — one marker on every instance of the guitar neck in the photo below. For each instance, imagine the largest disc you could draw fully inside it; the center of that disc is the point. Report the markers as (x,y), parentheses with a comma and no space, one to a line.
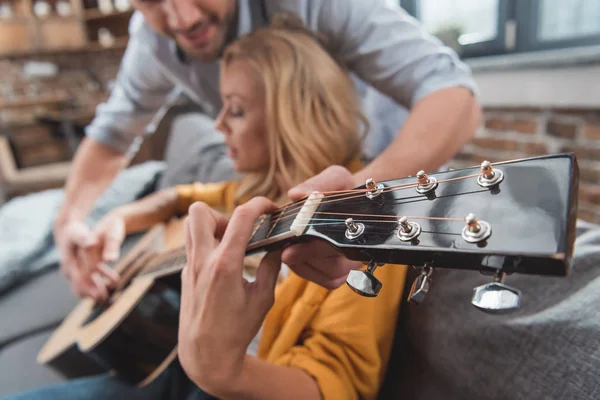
(284,225)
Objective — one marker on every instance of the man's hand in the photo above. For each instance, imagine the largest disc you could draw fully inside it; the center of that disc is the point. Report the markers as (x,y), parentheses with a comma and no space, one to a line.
(84,254)
(220,311)
(316,260)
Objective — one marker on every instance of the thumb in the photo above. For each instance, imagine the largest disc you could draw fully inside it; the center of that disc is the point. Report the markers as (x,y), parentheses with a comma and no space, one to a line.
(268,271)
(332,178)
(113,239)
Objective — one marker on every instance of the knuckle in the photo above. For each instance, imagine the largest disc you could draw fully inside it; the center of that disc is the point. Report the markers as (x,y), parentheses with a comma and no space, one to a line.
(243,211)
(198,209)
(291,256)
(223,265)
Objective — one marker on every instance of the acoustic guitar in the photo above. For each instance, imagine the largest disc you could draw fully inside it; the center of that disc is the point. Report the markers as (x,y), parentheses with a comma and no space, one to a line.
(511,217)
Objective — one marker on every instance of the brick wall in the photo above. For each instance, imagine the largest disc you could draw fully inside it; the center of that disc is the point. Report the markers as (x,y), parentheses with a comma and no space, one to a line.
(517,133)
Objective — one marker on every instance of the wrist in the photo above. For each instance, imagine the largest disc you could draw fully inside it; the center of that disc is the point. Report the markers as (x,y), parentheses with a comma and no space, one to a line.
(64,217)
(228,381)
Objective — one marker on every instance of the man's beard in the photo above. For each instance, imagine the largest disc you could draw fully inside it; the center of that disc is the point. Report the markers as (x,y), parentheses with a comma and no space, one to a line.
(226,33)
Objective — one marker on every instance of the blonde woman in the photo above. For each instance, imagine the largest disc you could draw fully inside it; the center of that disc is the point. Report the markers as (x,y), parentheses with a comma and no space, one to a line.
(289,112)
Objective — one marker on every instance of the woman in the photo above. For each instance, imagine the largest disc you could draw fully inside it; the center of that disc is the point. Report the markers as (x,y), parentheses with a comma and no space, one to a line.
(289,112)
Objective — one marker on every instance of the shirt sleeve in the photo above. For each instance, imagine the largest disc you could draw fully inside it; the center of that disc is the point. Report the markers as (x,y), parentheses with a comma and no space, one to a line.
(386,47)
(218,195)
(141,89)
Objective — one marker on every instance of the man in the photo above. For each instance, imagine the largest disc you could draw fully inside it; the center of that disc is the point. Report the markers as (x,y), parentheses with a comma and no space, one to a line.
(177,44)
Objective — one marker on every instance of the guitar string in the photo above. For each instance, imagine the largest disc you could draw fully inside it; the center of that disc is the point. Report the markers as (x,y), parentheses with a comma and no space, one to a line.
(396,217)
(360,196)
(181,259)
(366,190)
(338,195)
(300,203)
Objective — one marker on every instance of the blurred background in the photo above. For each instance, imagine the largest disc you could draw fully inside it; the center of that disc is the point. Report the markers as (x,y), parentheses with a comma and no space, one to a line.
(536,62)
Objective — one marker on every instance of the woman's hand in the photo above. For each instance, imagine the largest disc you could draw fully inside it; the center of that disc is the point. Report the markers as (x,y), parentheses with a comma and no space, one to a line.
(221,312)
(90,251)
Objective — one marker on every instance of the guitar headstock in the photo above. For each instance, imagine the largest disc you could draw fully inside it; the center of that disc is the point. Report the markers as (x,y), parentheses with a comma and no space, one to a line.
(510,217)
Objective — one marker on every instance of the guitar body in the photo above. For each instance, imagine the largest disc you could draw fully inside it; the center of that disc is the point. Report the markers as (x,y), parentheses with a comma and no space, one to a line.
(137,335)
(64,354)
(60,351)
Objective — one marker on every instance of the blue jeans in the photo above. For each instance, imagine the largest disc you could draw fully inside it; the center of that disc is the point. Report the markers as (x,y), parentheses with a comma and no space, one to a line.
(171,384)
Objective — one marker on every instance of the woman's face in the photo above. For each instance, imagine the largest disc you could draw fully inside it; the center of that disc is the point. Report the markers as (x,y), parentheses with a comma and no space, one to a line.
(242,118)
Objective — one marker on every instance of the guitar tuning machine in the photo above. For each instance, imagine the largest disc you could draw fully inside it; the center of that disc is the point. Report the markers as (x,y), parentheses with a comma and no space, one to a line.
(489,176)
(496,297)
(475,231)
(425,183)
(407,231)
(374,189)
(364,282)
(353,229)
(421,285)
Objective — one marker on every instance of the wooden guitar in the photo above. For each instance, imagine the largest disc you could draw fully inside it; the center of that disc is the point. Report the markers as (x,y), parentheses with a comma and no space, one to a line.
(510,217)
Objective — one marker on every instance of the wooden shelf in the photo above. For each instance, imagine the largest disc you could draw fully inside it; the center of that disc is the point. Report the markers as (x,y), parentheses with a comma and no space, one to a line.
(55,17)
(120,44)
(93,47)
(17,19)
(94,13)
(34,101)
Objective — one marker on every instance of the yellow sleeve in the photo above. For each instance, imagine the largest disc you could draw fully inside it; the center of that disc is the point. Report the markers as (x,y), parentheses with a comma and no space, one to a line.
(214,194)
(347,345)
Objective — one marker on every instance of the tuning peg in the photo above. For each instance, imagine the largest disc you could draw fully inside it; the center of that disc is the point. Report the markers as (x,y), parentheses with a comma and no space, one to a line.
(374,188)
(420,286)
(489,176)
(425,183)
(364,282)
(496,297)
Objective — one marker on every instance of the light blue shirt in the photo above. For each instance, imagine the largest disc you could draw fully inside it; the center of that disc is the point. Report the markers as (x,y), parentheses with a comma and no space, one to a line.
(394,61)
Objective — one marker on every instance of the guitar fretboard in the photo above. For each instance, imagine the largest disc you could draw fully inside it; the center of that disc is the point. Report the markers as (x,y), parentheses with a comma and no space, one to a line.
(269,229)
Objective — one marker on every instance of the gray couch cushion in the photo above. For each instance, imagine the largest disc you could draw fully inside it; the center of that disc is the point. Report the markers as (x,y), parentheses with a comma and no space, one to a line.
(195,151)
(19,369)
(40,303)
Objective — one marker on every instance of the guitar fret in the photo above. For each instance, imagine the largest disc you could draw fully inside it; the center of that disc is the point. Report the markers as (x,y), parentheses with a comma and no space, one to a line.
(276,221)
(258,225)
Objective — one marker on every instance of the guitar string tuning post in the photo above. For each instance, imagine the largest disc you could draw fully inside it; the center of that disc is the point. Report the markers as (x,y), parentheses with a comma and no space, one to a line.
(374,189)
(408,231)
(425,183)
(475,230)
(489,176)
(353,229)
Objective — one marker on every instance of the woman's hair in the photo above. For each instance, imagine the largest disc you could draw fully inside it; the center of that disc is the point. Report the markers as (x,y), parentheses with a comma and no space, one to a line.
(312,112)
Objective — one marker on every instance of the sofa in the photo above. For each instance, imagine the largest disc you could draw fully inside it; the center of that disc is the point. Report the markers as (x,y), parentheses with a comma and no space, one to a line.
(426,349)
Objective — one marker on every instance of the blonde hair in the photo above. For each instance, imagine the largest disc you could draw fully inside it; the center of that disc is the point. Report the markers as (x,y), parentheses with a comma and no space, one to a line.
(312,112)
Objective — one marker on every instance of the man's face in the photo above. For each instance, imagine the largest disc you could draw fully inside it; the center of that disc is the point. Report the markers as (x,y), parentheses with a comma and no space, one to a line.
(200,27)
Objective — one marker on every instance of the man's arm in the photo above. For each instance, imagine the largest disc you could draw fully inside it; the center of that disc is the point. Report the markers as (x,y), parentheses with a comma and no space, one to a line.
(391,51)
(92,170)
(432,134)
(140,90)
